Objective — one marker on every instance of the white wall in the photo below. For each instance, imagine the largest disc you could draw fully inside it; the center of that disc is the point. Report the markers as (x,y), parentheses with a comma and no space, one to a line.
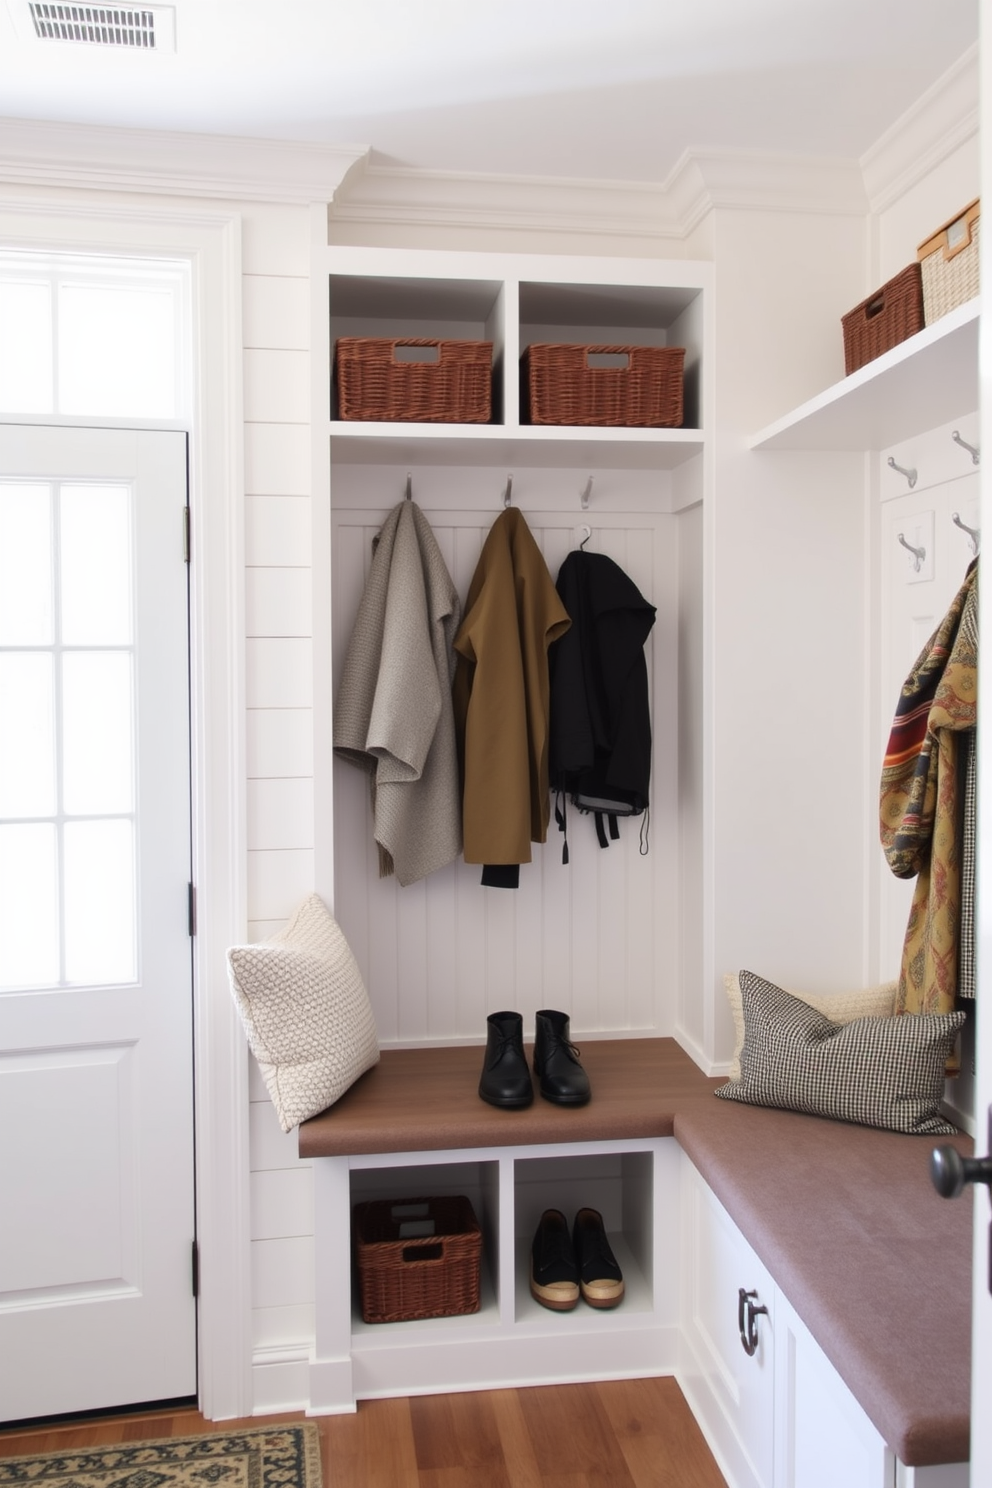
(789,687)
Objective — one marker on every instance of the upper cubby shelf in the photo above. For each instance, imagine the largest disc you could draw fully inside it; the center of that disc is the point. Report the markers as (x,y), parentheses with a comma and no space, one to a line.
(927,380)
(513,301)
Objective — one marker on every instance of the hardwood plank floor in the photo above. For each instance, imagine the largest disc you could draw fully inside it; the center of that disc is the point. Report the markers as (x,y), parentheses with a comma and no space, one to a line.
(615,1434)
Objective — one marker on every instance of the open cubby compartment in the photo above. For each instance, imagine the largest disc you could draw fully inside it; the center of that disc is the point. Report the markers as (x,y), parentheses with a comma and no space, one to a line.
(437,308)
(621,1185)
(619,314)
(478,1181)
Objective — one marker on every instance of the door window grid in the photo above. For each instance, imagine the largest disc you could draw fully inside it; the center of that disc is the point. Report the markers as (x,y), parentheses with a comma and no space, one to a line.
(80,929)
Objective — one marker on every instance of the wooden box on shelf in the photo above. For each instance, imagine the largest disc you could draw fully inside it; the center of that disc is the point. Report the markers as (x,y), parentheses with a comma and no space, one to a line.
(414,379)
(885,318)
(616,386)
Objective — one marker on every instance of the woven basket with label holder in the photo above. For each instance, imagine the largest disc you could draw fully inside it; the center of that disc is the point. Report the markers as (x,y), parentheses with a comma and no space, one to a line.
(417,1258)
(885,318)
(949,264)
(612,386)
(414,379)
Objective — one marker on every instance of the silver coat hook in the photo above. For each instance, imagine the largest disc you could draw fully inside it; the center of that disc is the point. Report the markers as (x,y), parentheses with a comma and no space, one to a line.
(409,486)
(974,533)
(974,452)
(508,491)
(586,494)
(918,553)
(909,474)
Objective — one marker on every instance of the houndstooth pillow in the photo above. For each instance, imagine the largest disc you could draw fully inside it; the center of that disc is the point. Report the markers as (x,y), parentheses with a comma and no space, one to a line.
(839,1007)
(306,1012)
(886,1072)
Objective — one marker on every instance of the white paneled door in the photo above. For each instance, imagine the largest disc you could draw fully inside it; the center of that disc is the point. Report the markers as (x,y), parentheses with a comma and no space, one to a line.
(96,1093)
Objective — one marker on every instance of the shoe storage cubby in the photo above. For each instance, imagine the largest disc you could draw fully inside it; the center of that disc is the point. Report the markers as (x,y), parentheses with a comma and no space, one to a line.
(620,1185)
(512,1338)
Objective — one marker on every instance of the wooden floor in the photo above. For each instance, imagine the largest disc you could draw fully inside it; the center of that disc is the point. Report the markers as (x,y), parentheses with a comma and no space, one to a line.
(617,1434)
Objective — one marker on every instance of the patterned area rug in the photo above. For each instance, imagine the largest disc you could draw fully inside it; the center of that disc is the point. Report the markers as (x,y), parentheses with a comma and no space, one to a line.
(259,1457)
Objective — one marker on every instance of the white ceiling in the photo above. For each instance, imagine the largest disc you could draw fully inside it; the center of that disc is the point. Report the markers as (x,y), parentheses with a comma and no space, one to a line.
(600,89)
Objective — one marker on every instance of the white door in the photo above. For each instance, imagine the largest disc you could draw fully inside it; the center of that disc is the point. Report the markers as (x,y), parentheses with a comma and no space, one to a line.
(96,1103)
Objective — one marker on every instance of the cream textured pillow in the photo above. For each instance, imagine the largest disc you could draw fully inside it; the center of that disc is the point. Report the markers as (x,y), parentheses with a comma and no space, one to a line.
(306,1012)
(839,1007)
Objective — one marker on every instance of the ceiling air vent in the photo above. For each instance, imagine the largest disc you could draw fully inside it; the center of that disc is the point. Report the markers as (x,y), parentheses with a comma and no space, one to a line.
(98,25)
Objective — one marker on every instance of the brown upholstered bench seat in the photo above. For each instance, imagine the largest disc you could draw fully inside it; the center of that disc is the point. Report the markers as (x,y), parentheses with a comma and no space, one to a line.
(877,1265)
(845,1218)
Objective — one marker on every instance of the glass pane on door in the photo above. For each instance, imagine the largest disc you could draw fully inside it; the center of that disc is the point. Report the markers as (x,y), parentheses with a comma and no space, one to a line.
(29,916)
(95,563)
(68,763)
(26,614)
(99,902)
(27,734)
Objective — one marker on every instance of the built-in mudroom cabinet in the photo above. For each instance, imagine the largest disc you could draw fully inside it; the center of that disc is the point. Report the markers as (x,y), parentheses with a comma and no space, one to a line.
(771,677)
(602,937)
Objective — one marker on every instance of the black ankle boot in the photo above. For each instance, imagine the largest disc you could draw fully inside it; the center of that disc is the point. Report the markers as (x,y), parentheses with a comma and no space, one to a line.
(505,1077)
(556,1061)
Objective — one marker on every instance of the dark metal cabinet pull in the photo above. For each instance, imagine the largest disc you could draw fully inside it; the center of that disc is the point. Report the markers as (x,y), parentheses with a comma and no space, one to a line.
(747,1315)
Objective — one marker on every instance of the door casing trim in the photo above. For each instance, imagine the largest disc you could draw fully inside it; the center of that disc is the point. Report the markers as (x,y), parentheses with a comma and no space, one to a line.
(211,242)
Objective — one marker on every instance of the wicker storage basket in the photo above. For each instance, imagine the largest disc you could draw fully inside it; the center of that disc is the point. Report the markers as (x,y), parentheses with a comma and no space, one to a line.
(949,264)
(884,319)
(404,1274)
(639,386)
(451,384)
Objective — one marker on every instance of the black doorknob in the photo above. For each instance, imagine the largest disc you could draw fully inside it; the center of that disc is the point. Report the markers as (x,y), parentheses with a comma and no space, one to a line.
(949,1171)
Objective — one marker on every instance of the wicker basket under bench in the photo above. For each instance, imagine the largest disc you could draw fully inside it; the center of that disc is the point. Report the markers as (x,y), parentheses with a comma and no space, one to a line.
(417,1258)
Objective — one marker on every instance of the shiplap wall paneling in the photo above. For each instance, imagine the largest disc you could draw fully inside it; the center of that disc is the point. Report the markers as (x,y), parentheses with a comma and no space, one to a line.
(596,937)
(279,750)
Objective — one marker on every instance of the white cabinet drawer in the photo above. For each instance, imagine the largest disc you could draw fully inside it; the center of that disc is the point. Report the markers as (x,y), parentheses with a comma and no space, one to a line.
(822,1436)
(728,1299)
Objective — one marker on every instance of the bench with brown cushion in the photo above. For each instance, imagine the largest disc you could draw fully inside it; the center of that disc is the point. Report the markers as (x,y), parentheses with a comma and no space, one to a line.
(844,1217)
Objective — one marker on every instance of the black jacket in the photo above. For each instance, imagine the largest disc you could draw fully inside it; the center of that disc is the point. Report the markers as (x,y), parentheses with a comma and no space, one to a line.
(600,716)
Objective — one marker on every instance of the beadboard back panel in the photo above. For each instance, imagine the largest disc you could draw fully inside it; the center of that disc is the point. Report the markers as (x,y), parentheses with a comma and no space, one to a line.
(598,937)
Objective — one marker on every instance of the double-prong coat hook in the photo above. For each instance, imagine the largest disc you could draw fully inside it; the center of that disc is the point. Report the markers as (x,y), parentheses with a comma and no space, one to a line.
(974,452)
(909,474)
(508,492)
(974,533)
(919,554)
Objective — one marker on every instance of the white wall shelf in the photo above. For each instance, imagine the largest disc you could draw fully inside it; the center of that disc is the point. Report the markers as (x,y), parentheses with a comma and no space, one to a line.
(539,447)
(925,381)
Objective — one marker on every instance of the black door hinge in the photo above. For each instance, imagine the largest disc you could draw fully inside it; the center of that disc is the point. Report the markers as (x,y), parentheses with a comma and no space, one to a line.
(195,1275)
(191,910)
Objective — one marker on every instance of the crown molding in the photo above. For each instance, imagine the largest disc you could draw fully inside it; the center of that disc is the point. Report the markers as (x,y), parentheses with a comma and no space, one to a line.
(163,162)
(399,196)
(941,119)
(403,196)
